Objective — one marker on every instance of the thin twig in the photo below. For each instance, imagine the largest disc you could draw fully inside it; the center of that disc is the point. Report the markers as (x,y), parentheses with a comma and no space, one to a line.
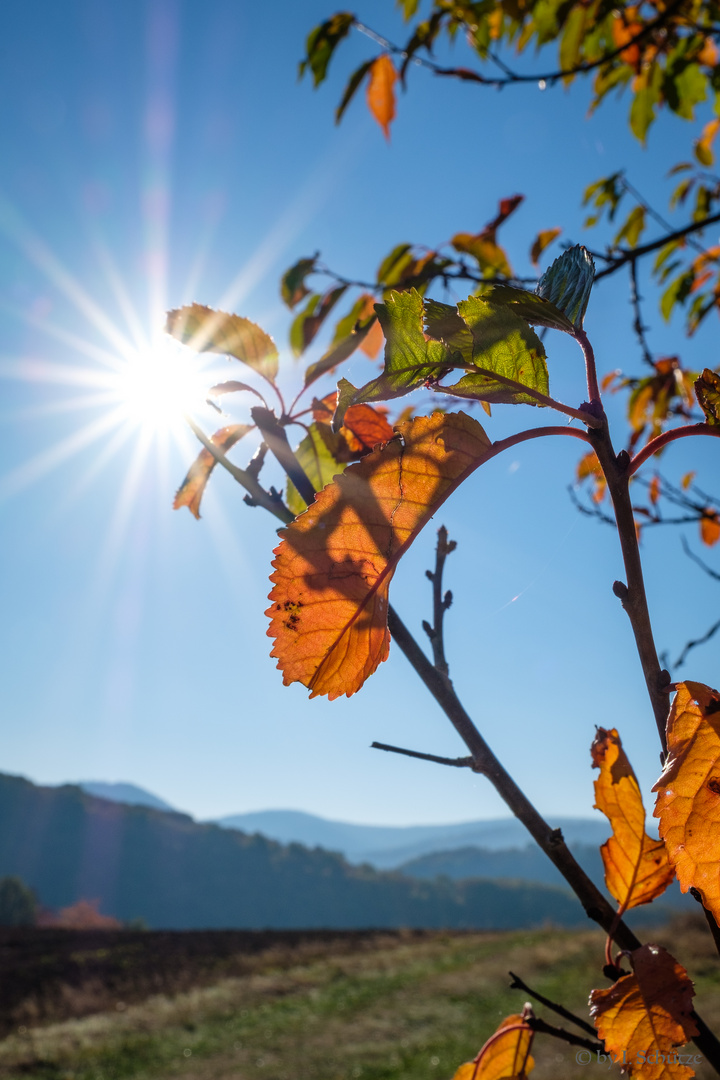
(700,562)
(518,984)
(458,763)
(259,496)
(638,325)
(694,644)
(441,603)
(626,255)
(543,1028)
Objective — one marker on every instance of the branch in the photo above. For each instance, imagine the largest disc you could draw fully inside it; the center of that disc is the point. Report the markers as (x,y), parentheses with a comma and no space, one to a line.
(458,763)
(638,325)
(440,603)
(543,1028)
(693,644)
(518,984)
(627,254)
(511,76)
(269,500)
(700,562)
(666,438)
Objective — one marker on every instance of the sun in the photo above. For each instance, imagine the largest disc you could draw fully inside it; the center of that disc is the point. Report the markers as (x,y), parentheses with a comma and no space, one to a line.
(158,385)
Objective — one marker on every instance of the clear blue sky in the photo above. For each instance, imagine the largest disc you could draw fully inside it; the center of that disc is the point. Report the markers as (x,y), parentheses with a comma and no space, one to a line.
(160,152)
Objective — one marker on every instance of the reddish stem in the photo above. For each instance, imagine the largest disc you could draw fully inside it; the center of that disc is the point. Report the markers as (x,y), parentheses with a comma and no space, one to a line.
(590,369)
(660,441)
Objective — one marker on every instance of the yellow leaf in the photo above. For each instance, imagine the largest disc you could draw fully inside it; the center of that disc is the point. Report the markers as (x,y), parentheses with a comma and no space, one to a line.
(542,240)
(333,568)
(688,802)
(206,330)
(644,1017)
(505,1056)
(381,92)
(637,868)
(703,145)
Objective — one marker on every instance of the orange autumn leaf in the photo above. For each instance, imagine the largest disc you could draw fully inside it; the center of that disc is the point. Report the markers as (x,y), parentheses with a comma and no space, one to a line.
(381,92)
(505,1056)
(365,427)
(644,1017)
(637,868)
(333,568)
(654,490)
(687,480)
(373,341)
(191,490)
(710,528)
(688,802)
(588,467)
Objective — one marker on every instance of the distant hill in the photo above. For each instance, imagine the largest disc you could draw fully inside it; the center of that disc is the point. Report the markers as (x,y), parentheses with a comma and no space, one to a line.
(124,793)
(526,865)
(389,847)
(176,873)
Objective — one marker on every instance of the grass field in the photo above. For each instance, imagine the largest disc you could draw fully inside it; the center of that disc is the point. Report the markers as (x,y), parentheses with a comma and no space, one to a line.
(395,1006)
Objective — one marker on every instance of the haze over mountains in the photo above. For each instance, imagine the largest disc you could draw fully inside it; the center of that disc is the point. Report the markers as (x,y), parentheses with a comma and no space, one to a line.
(176,873)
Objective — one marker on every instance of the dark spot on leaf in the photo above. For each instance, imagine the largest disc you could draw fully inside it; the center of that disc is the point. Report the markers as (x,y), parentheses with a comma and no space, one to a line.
(714,784)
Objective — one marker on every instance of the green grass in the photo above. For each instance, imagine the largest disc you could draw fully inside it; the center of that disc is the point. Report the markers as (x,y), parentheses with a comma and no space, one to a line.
(397,1009)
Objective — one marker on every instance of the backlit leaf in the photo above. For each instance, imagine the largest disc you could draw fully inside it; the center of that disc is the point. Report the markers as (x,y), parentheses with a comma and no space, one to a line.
(703,146)
(292,285)
(529,306)
(633,227)
(644,1017)
(567,283)
(206,330)
(338,352)
(541,241)
(502,344)
(707,389)
(333,568)
(637,868)
(365,428)
(647,96)
(505,1056)
(306,325)
(688,801)
(491,258)
(409,359)
(316,458)
(381,92)
(351,89)
(191,490)
(322,42)
(710,527)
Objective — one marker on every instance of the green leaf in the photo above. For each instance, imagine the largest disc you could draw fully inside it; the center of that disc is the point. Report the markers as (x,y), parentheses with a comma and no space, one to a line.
(633,227)
(409,7)
(292,285)
(351,89)
(642,110)
(572,39)
(409,359)
(443,323)
(567,283)
(676,293)
(691,89)
(315,456)
(503,345)
(306,325)
(391,268)
(339,351)
(346,395)
(206,330)
(322,42)
(531,307)
(707,389)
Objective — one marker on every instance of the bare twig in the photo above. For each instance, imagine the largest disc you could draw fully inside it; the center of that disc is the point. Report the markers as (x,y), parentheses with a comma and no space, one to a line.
(543,1028)
(440,603)
(700,562)
(258,496)
(458,763)
(638,324)
(518,984)
(694,644)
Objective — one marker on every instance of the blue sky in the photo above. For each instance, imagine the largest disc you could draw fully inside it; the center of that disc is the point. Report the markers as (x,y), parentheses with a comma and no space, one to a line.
(161,152)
